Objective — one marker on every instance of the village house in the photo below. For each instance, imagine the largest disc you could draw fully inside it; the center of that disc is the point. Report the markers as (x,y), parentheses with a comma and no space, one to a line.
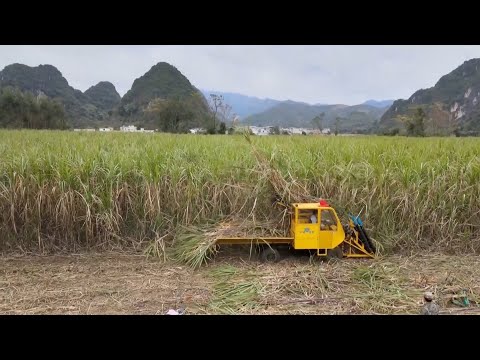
(262,131)
(197,131)
(129,128)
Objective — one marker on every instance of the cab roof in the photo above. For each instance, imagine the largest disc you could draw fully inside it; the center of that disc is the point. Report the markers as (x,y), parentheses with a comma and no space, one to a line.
(310,206)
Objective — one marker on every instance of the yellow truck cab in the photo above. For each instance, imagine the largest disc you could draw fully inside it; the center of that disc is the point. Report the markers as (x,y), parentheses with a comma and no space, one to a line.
(316,226)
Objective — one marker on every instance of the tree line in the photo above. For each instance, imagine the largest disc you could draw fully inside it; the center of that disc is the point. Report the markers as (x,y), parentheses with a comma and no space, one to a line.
(178,116)
(24,110)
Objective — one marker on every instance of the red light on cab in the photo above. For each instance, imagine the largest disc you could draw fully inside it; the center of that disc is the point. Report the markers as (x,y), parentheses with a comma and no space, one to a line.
(323,203)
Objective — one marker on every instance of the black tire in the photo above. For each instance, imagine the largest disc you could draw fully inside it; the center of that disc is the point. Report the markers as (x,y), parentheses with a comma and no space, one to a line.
(336,253)
(270,255)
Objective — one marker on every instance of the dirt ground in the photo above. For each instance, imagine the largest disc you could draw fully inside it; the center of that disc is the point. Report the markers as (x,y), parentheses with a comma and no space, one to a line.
(112,283)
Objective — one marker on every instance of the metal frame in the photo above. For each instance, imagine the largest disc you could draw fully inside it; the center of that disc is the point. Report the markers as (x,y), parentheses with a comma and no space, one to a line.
(353,243)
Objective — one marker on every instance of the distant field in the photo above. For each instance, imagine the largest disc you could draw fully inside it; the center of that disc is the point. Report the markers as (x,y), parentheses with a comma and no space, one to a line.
(71,191)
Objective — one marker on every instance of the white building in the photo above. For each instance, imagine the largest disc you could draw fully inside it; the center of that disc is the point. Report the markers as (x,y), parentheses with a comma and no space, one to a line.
(197,131)
(262,131)
(297,131)
(129,128)
(300,131)
(105,129)
(292,131)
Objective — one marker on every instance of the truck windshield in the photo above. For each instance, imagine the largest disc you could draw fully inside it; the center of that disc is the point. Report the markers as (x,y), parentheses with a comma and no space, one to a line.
(328,220)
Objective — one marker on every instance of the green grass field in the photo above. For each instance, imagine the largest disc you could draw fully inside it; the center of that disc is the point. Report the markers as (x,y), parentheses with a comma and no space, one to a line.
(71,191)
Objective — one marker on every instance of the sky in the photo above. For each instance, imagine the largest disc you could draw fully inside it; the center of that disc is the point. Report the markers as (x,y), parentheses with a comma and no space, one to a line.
(346,74)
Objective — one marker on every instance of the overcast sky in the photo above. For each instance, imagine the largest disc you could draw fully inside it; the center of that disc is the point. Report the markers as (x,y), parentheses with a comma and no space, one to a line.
(313,74)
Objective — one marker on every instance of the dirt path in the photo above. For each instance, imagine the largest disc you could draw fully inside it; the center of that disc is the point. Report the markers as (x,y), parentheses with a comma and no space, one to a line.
(131,284)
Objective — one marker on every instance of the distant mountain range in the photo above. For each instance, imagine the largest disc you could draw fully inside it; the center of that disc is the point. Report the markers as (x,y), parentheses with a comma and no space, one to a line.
(163,94)
(354,119)
(379,104)
(83,109)
(453,104)
(243,105)
(101,105)
(271,112)
(150,91)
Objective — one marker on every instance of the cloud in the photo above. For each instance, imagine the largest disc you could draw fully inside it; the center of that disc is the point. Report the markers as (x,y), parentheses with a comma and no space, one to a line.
(326,74)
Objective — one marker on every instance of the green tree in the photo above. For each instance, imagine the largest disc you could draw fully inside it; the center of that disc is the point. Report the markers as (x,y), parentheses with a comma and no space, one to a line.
(317,121)
(337,122)
(174,116)
(222,128)
(415,126)
(419,122)
(221,112)
(23,110)
(393,132)
(216,105)
(275,130)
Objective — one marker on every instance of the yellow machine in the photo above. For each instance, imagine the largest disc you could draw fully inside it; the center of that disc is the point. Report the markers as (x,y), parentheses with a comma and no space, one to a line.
(315,227)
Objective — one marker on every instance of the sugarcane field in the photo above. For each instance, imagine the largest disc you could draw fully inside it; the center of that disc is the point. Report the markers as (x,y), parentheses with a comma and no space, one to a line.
(146,226)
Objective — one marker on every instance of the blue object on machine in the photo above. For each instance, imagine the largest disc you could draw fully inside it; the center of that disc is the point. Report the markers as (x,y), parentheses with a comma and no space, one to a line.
(356,220)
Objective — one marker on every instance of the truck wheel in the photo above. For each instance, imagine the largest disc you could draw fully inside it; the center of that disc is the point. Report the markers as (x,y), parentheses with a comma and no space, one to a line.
(336,253)
(270,255)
